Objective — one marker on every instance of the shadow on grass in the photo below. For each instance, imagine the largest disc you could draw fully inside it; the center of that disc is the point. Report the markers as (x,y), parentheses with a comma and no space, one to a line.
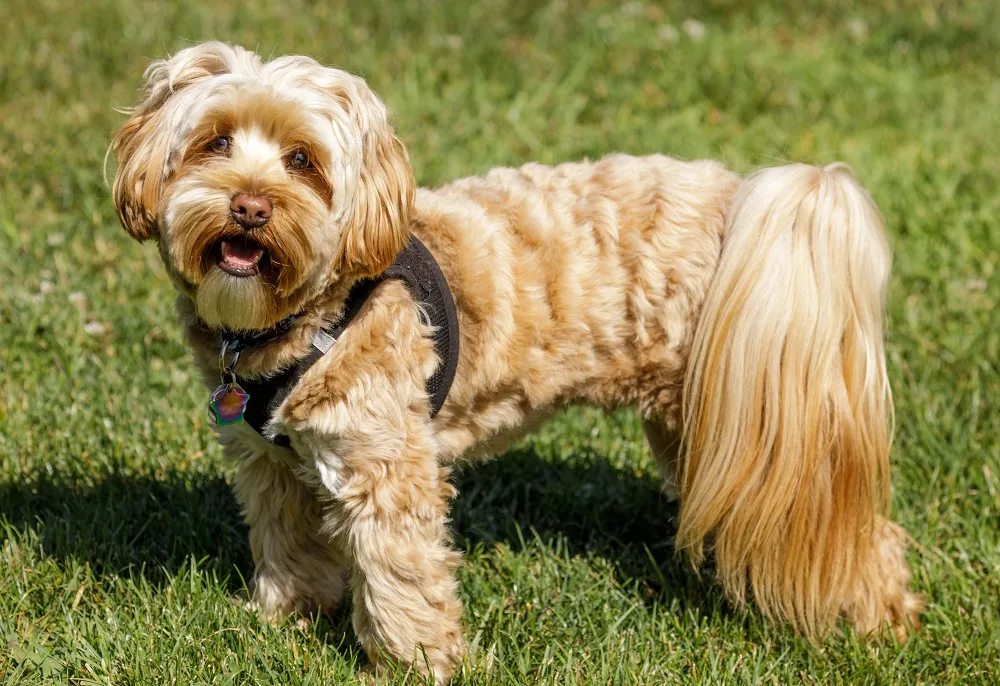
(138,525)
(152,527)
(592,508)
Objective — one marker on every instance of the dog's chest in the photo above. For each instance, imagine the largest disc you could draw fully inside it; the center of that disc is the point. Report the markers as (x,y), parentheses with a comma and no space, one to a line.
(315,464)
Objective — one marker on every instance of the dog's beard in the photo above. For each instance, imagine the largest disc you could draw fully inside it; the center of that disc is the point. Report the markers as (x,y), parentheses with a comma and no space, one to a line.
(237,303)
(288,271)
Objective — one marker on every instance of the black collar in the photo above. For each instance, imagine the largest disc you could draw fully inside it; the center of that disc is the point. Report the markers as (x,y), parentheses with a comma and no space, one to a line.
(238,342)
(417,268)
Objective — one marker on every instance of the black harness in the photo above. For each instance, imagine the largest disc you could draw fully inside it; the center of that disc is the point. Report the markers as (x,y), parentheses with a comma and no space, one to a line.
(417,268)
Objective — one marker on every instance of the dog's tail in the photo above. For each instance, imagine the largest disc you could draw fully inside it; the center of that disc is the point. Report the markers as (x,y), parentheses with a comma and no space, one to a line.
(787,408)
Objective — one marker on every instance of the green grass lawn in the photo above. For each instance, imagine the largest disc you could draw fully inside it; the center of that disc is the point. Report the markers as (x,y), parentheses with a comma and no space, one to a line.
(121,547)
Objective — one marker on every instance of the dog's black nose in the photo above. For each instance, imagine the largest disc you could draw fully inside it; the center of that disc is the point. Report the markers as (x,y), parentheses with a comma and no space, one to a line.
(250,211)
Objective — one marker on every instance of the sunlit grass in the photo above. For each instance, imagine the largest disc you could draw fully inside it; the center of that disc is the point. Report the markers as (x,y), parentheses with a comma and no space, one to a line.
(122,549)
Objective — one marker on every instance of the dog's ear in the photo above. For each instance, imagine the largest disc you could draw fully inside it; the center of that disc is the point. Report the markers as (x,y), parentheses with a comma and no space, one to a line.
(142,145)
(379,222)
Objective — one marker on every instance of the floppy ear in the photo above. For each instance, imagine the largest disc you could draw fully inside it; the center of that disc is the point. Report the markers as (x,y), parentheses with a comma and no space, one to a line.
(136,189)
(379,222)
(142,144)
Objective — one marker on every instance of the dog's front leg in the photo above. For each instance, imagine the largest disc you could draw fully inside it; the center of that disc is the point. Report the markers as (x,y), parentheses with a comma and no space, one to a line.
(362,417)
(296,565)
(389,511)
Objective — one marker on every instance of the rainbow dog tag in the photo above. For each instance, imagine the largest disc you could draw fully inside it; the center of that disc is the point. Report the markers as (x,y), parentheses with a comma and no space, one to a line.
(228,403)
(229,400)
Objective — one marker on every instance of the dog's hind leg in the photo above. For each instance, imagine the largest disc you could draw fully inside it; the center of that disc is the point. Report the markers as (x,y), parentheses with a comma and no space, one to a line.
(665,446)
(297,566)
(882,598)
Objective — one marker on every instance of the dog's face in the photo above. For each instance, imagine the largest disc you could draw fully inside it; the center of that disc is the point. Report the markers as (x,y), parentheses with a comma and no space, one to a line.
(264,183)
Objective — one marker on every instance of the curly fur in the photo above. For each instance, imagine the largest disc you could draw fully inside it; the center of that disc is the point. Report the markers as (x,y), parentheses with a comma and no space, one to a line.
(742,318)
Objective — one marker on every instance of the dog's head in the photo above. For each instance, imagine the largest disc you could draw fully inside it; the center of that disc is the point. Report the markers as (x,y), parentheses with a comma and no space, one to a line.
(264,183)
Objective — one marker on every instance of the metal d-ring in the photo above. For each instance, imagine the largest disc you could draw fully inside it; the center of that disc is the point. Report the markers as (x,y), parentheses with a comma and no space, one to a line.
(226,370)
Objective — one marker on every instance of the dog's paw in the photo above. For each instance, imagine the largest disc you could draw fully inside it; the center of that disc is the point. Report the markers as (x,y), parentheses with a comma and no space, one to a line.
(268,598)
(904,616)
(381,672)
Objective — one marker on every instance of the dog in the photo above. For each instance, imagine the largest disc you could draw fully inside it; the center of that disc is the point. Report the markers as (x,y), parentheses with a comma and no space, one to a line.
(741,317)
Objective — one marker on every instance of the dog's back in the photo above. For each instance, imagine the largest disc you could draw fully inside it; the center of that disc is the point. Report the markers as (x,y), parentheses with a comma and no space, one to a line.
(580,282)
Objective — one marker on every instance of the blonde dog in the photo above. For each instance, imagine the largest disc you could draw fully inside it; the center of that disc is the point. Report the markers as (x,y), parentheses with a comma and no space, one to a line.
(741,317)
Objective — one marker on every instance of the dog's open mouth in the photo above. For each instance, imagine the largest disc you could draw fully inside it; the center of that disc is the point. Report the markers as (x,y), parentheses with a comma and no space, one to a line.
(239,256)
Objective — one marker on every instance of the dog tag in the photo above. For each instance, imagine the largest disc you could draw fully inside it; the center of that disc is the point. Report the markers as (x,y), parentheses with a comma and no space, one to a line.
(228,404)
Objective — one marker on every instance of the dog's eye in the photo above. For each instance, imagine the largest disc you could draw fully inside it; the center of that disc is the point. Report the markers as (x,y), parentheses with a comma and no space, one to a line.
(299,160)
(220,144)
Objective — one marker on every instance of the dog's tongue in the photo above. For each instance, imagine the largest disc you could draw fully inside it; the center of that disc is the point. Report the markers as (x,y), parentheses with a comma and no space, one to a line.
(241,254)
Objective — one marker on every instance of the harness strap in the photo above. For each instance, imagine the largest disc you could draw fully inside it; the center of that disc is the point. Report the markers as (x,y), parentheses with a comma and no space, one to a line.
(417,268)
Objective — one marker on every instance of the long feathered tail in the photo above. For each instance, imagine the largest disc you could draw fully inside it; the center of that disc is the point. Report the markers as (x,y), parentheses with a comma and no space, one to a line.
(787,407)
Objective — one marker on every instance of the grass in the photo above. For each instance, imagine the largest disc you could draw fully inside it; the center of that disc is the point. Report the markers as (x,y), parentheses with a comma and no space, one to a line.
(121,547)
